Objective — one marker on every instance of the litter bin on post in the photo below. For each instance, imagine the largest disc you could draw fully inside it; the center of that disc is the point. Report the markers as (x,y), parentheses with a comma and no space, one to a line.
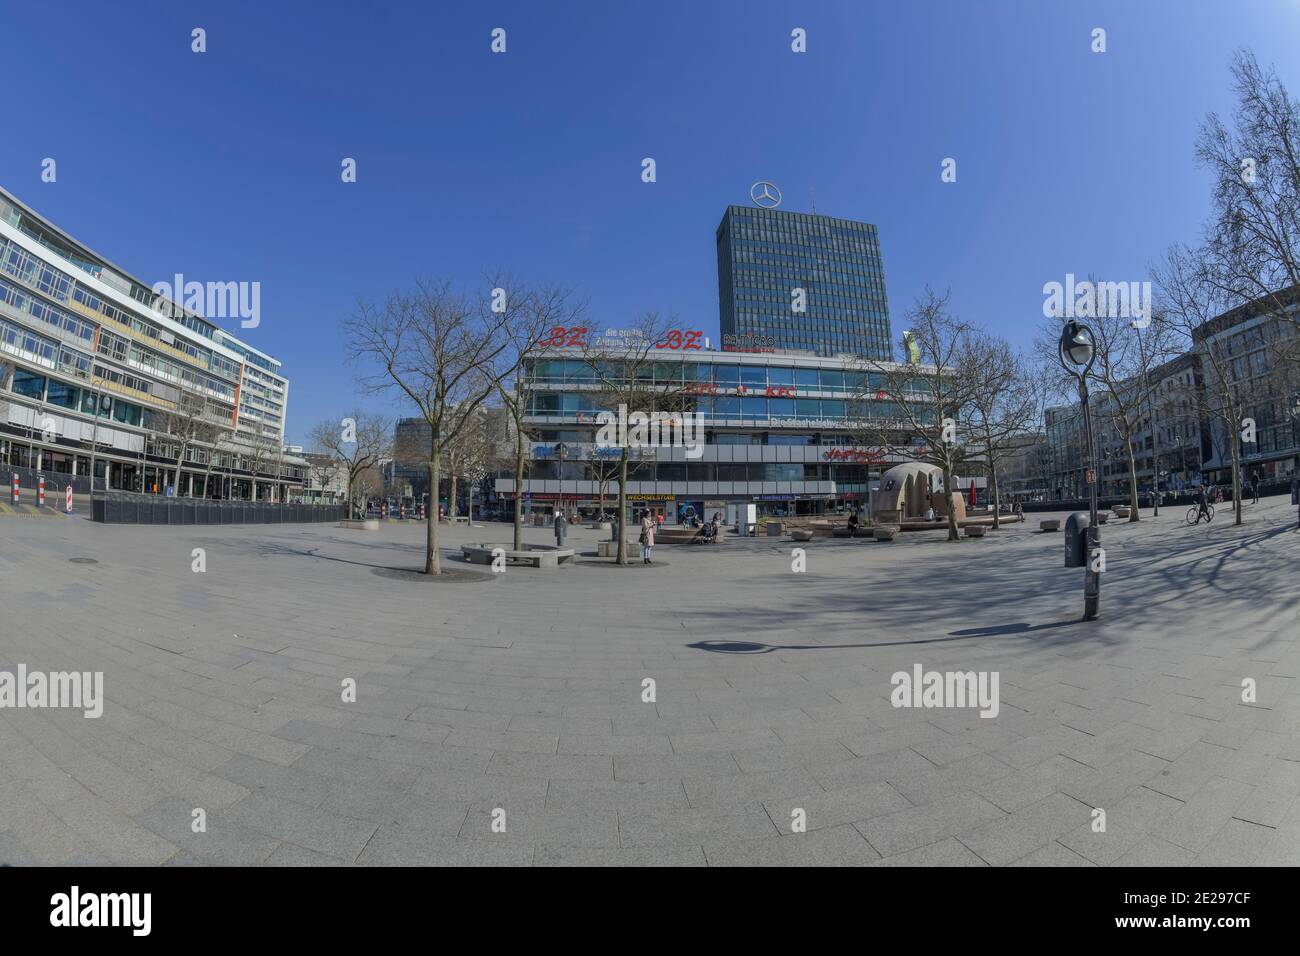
(1076,540)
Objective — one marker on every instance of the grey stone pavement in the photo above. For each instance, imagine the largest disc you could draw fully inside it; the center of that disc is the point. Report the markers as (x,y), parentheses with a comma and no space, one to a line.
(522,691)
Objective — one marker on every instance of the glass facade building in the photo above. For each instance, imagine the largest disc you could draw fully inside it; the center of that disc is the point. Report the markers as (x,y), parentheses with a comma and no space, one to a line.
(765,255)
(103,368)
(785,431)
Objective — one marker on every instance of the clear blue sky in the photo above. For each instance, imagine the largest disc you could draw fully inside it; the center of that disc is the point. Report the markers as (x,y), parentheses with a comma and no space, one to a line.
(225,166)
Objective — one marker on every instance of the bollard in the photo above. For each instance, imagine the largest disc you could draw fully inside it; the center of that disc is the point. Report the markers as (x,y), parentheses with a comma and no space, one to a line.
(402,511)
(69,496)
(15,499)
(40,491)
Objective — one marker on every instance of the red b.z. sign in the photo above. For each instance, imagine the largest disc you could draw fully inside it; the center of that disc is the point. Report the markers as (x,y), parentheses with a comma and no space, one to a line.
(574,335)
(678,339)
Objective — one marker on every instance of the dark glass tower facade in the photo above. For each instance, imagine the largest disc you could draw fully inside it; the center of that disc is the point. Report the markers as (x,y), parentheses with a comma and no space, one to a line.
(764,255)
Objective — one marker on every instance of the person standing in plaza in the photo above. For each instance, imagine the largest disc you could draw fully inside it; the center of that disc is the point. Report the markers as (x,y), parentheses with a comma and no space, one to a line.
(1254,485)
(561,528)
(647,536)
(1203,505)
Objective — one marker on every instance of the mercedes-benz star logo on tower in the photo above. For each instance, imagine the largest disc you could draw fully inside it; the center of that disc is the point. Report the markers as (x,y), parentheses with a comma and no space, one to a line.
(765,194)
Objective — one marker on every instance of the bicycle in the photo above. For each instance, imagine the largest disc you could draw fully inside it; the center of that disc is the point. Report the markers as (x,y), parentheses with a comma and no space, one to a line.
(1194,514)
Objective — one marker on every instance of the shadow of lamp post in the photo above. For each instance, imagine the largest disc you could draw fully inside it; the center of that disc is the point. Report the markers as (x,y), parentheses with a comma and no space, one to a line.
(1077,350)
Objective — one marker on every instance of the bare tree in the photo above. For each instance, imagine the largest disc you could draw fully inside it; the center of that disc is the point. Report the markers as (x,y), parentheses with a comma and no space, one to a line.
(1121,372)
(185,426)
(1003,404)
(1193,298)
(624,374)
(355,443)
(446,352)
(926,402)
(259,452)
(1252,249)
(467,457)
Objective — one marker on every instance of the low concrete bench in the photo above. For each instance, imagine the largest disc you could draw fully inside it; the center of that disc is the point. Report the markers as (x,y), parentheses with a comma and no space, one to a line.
(1121,511)
(885,532)
(1102,517)
(859,533)
(609,549)
(682,535)
(538,555)
(1051,524)
(975,530)
(801,534)
(360,524)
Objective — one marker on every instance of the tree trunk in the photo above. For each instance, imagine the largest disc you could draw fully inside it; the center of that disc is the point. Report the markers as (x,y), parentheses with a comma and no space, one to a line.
(621,557)
(432,561)
(1236,483)
(953,534)
(993,478)
(451,496)
(519,486)
(1132,482)
(997,497)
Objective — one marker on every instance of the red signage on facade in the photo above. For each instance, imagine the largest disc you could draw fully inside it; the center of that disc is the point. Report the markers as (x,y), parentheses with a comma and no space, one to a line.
(868,455)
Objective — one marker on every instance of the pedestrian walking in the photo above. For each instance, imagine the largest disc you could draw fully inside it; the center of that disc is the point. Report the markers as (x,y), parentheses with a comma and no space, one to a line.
(1254,486)
(561,529)
(647,537)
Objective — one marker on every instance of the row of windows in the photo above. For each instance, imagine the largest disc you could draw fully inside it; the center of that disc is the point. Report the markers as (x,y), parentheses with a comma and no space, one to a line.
(808,439)
(722,376)
(16,338)
(567,404)
(704,471)
(44,312)
(61,394)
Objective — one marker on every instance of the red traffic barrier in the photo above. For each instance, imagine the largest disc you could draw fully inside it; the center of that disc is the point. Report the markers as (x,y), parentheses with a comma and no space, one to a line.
(40,491)
(15,487)
(68,493)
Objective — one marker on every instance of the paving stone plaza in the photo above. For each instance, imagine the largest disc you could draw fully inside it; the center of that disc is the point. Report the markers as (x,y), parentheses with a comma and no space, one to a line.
(518,698)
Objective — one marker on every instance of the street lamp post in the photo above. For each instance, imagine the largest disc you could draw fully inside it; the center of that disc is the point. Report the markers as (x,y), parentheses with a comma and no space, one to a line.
(1077,350)
(561,450)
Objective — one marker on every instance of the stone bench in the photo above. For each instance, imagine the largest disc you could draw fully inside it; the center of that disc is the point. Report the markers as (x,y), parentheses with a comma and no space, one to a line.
(859,533)
(1121,511)
(360,524)
(1102,517)
(538,555)
(1051,524)
(974,530)
(609,549)
(681,535)
(801,534)
(885,533)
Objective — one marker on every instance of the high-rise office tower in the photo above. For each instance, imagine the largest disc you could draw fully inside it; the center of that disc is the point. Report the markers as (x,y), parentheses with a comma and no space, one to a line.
(793,280)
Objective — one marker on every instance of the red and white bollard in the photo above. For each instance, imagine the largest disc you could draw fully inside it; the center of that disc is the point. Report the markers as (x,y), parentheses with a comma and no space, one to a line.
(15,486)
(40,491)
(421,512)
(68,493)
(402,512)
(383,509)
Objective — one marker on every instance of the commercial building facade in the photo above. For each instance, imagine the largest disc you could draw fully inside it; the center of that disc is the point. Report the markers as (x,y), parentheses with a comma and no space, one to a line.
(100,368)
(783,431)
(791,280)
